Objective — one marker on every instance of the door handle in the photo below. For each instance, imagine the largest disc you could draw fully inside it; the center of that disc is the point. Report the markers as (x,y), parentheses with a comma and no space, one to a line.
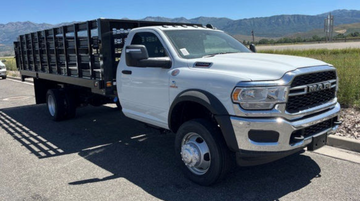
(126,72)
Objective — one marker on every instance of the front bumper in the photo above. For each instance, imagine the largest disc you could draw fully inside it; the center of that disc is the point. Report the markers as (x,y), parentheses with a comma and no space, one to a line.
(284,128)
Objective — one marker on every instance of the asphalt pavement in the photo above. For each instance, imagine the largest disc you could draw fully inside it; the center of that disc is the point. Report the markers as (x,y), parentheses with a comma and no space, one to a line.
(102,155)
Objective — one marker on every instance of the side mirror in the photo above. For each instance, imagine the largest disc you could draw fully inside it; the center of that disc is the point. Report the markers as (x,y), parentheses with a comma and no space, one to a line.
(137,56)
(252,48)
(135,53)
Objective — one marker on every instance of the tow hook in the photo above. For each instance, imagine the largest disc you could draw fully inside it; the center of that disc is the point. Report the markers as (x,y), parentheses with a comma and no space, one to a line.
(297,139)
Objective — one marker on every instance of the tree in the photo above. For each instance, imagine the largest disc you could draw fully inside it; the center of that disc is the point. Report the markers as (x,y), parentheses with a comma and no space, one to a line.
(298,39)
(340,36)
(355,34)
(316,38)
(264,41)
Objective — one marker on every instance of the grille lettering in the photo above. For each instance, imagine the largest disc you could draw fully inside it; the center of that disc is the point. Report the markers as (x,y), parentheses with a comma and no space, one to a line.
(319,87)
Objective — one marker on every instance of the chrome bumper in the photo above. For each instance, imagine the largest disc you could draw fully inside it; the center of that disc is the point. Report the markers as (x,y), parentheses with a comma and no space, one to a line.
(285,128)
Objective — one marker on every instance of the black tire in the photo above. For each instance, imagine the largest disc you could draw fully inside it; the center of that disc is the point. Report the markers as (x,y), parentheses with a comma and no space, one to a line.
(70,104)
(96,102)
(220,160)
(118,104)
(4,77)
(55,102)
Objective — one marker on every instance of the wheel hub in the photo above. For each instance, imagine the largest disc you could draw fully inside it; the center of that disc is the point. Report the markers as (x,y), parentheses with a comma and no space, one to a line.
(195,153)
(190,155)
(51,105)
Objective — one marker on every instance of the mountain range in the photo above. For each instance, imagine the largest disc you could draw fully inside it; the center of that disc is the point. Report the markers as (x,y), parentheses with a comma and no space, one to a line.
(274,26)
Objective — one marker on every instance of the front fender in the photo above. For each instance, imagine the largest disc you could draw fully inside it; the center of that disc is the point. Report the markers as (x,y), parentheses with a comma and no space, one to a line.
(212,103)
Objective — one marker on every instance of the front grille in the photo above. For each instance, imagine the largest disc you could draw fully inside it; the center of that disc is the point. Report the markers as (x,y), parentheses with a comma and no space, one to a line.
(309,100)
(311,130)
(313,78)
(306,101)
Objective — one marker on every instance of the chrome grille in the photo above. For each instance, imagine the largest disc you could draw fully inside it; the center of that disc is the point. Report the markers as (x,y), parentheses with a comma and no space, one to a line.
(301,98)
(313,78)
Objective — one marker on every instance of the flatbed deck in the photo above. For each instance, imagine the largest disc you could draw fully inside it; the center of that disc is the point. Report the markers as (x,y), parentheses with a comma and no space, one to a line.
(84,54)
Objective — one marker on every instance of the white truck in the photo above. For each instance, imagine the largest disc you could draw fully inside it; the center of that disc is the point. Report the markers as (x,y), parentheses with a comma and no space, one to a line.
(224,102)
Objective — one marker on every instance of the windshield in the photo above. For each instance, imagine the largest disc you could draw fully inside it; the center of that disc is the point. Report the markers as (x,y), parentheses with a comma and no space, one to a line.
(203,43)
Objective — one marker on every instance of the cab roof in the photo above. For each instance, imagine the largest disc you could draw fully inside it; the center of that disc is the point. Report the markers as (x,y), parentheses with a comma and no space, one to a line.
(179,27)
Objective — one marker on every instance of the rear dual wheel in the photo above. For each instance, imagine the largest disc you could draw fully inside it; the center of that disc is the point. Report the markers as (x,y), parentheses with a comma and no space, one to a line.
(61,104)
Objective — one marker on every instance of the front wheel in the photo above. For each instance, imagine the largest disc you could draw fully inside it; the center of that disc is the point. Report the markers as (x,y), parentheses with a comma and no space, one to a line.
(201,152)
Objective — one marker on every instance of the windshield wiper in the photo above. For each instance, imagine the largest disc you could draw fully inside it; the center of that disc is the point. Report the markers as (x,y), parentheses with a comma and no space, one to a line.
(214,54)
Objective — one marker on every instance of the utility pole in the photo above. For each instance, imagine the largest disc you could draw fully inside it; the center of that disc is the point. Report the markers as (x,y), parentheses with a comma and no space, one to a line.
(329,27)
(253,37)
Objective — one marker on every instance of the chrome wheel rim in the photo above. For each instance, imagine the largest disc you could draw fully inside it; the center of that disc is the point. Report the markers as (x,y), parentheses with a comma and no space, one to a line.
(51,105)
(195,153)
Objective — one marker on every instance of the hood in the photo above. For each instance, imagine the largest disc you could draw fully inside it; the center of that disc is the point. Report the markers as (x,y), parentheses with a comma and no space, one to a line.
(257,66)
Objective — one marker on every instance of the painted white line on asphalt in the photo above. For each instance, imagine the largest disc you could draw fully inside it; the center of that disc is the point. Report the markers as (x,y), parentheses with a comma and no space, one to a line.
(97,147)
(21,82)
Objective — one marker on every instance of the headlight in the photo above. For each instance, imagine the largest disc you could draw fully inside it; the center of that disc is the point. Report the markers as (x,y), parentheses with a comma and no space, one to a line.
(259,98)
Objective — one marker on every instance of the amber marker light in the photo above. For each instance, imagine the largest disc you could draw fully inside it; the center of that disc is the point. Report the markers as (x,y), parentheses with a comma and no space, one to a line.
(235,95)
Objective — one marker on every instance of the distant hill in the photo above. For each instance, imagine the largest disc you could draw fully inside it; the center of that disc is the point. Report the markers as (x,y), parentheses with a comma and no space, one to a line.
(269,27)
(274,26)
(340,29)
(9,31)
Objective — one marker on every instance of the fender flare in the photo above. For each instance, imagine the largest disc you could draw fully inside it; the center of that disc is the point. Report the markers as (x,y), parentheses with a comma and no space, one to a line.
(213,104)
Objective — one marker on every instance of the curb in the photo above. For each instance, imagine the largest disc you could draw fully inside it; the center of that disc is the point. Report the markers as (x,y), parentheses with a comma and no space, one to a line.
(18,78)
(343,143)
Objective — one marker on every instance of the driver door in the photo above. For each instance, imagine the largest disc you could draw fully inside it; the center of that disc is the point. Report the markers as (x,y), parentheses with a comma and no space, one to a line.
(145,90)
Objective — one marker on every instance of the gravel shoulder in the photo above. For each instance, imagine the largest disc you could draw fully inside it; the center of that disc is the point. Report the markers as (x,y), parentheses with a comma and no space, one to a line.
(350,127)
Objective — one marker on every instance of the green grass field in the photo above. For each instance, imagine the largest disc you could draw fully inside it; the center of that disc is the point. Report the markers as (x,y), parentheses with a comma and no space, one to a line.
(347,63)
(9,63)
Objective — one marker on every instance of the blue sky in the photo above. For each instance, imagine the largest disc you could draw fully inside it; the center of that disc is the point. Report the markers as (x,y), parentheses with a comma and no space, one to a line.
(48,11)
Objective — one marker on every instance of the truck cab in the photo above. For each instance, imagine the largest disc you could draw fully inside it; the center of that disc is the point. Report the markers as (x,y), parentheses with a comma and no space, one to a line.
(263,106)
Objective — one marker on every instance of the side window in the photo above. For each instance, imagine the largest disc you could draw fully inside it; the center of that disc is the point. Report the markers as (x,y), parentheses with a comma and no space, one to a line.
(151,42)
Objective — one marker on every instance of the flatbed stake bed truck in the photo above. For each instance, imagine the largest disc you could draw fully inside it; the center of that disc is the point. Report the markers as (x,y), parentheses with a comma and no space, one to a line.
(224,102)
